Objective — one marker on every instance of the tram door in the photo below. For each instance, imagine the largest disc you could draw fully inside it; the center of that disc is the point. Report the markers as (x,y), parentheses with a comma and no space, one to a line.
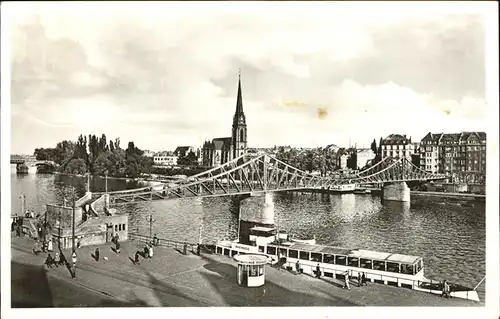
(243,275)
(109,233)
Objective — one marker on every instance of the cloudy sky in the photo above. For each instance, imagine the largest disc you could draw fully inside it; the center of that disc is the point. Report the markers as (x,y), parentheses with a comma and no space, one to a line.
(165,74)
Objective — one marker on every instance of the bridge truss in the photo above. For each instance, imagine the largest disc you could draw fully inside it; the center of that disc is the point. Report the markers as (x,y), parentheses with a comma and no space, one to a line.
(250,174)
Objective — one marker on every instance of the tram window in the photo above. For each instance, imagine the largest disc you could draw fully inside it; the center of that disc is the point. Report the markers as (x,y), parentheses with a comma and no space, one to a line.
(219,250)
(365,263)
(304,255)
(379,265)
(419,265)
(226,252)
(407,269)
(316,257)
(340,260)
(233,253)
(353,261)
(271,250)
(261,270)
(283,252)
(329,259)
(261,249)
(293,253)
(393,267)
(253,271)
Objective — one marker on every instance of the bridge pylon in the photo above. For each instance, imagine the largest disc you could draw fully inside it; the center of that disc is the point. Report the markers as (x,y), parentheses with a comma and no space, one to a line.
(267,214)
(396,191)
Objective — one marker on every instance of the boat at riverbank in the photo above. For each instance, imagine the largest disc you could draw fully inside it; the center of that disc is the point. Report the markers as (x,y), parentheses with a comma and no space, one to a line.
(336,262)
(344,188)
(362,191)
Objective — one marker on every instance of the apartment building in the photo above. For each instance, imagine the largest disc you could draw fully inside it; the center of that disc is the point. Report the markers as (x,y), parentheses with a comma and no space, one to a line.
(397,146)
(461,155)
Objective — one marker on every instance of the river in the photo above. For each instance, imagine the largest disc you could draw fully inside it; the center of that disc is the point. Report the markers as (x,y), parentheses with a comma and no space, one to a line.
(449,235)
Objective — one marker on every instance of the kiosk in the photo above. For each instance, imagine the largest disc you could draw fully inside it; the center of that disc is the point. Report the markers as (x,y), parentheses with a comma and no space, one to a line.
(251,269)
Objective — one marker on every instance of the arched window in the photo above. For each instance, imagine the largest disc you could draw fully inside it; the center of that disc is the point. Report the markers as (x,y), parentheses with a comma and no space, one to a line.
(241,135)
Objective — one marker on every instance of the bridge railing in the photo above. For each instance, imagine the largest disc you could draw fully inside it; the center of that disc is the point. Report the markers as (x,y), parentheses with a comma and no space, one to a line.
(176,244)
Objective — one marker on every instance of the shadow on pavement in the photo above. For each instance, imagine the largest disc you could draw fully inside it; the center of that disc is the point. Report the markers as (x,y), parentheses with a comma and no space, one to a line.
(269,294)
(168,296)
(29,286)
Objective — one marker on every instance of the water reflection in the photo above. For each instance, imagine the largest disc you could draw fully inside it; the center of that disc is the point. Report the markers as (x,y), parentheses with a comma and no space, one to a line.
(449,235)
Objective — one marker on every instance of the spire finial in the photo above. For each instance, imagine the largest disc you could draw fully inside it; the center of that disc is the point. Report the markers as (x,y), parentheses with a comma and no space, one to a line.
(239,73)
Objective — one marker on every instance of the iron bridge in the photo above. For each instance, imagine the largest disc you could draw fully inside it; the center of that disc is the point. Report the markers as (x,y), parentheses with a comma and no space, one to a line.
(250,174)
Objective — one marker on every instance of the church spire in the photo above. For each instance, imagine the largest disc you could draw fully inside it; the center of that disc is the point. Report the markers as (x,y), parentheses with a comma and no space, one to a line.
(239,99)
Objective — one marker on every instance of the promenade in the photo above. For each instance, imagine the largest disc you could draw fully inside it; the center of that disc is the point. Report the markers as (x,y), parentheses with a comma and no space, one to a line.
(173,279)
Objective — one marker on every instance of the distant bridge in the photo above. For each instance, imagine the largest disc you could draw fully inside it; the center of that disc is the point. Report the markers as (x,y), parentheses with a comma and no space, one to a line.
(251,174)
(19,160)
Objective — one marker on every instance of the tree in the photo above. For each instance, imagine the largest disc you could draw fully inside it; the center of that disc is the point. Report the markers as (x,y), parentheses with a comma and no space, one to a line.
(76,166)
(102,163)
(192,159)
(352,161)
(374,146)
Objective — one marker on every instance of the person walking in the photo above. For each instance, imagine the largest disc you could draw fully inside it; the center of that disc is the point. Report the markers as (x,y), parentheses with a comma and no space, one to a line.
(96,254)
(346,281)
(363,279)
(57,260)
(297,267)
(117,247)
(318,272)
(150,251)
(446,289)
(49,261)
(35,247)
(359,279)
(136,259)
(49,245)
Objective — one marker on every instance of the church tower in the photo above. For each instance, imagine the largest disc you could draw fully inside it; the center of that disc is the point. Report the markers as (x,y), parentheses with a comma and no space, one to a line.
(239,136)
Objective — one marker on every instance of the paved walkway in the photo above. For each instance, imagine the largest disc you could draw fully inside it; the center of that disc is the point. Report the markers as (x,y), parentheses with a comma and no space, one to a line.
(173,279)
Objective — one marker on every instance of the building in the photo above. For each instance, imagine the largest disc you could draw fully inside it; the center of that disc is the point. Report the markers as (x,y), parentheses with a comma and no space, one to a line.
(397,146)
(224,149)
(94,224)
(148,153)
(165,159)
(363,156)
(182,151)
(344,157)
(461,155)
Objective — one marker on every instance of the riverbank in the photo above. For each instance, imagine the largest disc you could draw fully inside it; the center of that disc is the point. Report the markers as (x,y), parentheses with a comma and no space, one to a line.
(127,179)
(378,192)
(173,279)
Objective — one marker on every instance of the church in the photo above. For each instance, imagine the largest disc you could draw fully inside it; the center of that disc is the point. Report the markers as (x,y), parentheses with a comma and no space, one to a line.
(224,149)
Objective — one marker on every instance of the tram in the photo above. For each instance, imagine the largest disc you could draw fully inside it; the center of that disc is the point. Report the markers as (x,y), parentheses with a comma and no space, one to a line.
(335,262)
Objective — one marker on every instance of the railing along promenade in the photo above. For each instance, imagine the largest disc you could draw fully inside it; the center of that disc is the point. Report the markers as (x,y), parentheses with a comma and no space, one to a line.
(162,242)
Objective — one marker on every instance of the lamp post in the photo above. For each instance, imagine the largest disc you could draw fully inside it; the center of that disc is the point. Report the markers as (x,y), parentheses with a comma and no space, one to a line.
(106,182)
(73,223)
(23,203)
(60,225)
(151,221)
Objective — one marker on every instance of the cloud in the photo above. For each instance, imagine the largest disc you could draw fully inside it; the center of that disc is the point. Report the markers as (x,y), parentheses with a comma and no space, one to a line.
(163,77)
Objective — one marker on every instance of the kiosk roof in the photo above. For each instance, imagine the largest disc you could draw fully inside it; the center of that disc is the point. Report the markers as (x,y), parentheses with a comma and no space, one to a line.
(251,259)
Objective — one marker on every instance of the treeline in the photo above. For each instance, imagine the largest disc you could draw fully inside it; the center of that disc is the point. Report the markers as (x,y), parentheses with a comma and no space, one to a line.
(97,156)
(318,159)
